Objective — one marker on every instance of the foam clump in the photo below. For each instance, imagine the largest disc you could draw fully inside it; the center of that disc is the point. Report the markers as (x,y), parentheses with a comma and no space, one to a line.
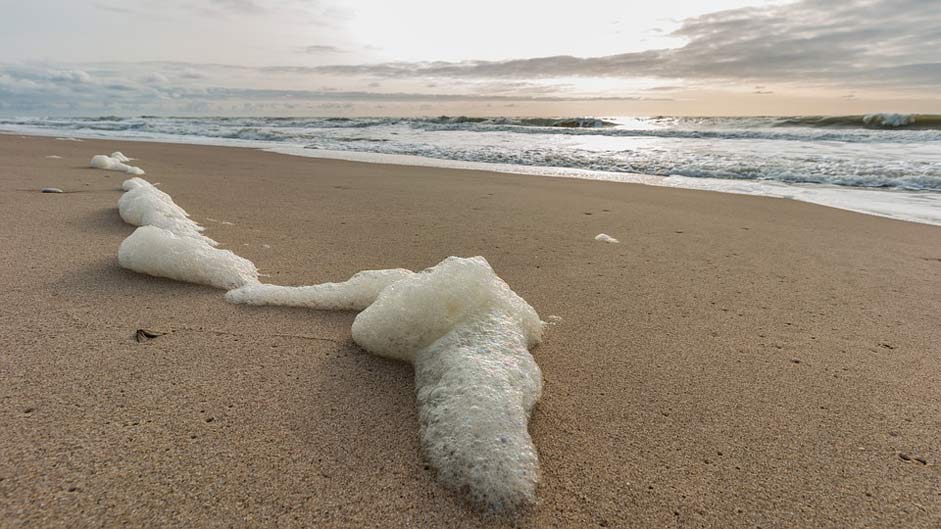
(357,293)
(109,163)
(134,183)
(145,205)
(606,238)
(468,335)
(159,252)
(119,156)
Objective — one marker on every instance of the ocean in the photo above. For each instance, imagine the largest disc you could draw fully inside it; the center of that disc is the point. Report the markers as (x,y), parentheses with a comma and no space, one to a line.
(881,164)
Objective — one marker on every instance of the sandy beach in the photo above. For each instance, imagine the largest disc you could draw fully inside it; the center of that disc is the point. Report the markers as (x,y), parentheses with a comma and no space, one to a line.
(736,361)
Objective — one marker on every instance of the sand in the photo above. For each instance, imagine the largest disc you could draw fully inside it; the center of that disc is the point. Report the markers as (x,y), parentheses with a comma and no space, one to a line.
(735,361)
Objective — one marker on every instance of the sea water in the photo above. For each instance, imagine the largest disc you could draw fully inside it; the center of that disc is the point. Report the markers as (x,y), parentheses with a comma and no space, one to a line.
(882,164)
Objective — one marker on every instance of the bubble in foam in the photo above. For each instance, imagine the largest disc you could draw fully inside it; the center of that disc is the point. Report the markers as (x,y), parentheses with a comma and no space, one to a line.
(357,293)
(102,161)
(162,253)
(468,335)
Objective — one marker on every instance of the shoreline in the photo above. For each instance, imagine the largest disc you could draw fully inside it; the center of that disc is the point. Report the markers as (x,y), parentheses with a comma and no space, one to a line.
(735,361)
(922,207)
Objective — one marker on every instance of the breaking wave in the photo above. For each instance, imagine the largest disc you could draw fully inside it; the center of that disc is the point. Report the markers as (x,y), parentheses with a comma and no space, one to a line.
(880,150)
(890,121)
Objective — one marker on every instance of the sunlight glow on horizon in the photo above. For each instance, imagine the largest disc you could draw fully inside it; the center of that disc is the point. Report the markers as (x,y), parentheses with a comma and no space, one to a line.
(369,57)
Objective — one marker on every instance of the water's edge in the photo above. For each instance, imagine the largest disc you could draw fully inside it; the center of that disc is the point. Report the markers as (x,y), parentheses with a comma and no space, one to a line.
(911,206)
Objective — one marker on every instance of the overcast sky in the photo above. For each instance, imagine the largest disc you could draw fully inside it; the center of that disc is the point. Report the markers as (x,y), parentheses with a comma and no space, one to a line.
(376,57)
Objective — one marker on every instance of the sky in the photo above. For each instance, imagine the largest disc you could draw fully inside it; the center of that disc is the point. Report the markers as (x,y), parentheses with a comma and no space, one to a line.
(481,57)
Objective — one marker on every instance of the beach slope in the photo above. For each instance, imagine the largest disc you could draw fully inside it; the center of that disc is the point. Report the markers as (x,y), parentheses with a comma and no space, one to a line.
(735,361)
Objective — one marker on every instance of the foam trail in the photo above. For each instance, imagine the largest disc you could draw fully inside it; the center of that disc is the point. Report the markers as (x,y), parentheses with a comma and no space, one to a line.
(468,335)
(466,332)
(357,293)
(162,253)
(109,163)
(603,237)
(145,205)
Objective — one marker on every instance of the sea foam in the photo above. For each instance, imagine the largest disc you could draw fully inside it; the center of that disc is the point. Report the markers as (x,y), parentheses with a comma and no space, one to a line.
(134,183)
(145,205)
(604,237)
(465,331)
(468,335)
(356,293)
(888,119)
(162,253)
(110,163)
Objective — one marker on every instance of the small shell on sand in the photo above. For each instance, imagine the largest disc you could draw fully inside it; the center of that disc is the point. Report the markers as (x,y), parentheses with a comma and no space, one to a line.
(51,190)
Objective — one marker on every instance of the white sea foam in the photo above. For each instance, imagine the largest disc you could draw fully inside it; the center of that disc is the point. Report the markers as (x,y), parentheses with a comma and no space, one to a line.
(134,183)
(145,205)
(162,253)
(468,335)
(357,293)
(888,119)
(54,157)
(109,163)
(119,156)
(606,238)
(466,332)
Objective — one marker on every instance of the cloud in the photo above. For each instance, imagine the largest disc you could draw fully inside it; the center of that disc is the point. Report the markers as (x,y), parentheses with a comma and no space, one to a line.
(890,43)
(157,87)
(239,6)
(155,77)
(321,48)
(851,47)
(114,9)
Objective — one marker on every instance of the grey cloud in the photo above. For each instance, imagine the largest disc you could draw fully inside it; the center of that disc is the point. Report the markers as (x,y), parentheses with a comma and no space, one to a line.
(167,88)
(114,9)
(242,6)
(873,42)
(321,48)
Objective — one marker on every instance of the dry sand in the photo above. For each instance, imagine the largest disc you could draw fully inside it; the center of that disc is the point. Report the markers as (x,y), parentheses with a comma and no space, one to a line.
(735,362)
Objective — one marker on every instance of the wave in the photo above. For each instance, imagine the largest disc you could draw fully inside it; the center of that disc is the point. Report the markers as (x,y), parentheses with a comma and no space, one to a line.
(883,120)
(897,151)
(792,168)
(887,128)
(571,123)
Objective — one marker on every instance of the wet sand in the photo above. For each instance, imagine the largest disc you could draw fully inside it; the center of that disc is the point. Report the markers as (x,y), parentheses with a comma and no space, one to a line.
(736,361)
